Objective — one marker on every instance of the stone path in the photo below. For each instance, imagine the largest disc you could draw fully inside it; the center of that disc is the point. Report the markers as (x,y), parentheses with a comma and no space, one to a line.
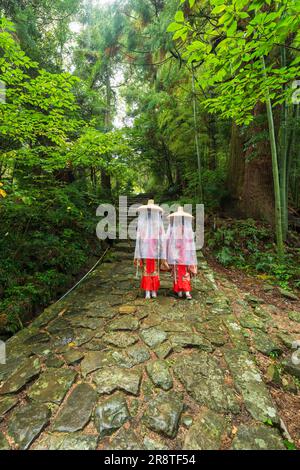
(105,369)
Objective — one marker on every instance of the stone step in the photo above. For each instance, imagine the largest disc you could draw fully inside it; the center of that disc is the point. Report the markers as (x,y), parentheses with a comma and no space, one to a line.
(107,369)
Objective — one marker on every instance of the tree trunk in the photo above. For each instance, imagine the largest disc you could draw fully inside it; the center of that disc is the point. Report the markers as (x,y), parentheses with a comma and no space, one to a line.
(197,145)
(168,161)
(105,177)
(106,183)
(236,166)
(212,154)
(250,181)
(66,175)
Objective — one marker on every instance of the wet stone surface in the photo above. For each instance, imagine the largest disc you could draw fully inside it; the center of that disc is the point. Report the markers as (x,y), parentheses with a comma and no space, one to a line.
(138,354)
(27,422)
(105,369)
(163,350)
(54,361)
(204,380)
(163,413)
(6,404)
(235,332)
(71,441)
(249,320)
(111,414)
(109,379)
(58,325)
(82,336)
(257,437)
(62,339)
(30,369)
(77,410)
(94,360)
(291,368)
(126,322)
(86,322)
(188,340)
(249,383)
(38,338)
(125,439)
(154,444)
(264,343)
(52,386)
(12,364)
(206,432)
(153,336)
(73,356)
(160,375)
(120,339)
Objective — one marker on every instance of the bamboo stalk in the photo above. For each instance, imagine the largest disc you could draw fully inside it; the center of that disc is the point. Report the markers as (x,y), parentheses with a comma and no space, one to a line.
(197,139)
(283,174)
(277,191)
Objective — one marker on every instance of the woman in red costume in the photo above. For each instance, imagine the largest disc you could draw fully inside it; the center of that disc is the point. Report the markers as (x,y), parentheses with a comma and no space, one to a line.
(150,249)
(181,252)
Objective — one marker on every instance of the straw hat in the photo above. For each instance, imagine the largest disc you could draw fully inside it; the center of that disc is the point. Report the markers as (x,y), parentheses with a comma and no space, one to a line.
(150,205)
(180,213)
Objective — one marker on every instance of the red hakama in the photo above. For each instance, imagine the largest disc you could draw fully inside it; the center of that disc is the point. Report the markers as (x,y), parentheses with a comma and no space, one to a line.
(150,280)
(182,279)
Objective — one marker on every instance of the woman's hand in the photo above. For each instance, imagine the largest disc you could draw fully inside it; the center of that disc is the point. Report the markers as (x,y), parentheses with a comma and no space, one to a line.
(193,270)
(164,265)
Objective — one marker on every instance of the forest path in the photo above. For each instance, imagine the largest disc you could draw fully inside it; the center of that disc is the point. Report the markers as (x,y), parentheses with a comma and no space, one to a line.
(105,369)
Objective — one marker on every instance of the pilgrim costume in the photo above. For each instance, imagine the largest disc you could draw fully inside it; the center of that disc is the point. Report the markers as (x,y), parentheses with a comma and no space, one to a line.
(181,252)
(150,249)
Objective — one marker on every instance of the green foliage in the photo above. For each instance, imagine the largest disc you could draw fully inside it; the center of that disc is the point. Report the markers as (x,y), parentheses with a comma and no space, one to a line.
(274,354)
(228,39)
(106,150)
(39,113)
(42,28)
(289,445)
(163,134)
(269,422)
(47,236)
(47,153)
(58,141)
(247,245)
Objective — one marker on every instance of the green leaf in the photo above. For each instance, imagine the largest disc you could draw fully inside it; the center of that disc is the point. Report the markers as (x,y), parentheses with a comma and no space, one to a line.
(225,18)
(269,422)
(179,17)
(218,9)
(173,27)
(289,445)
(243,15)
(232,29)
(296,61)
(181,33)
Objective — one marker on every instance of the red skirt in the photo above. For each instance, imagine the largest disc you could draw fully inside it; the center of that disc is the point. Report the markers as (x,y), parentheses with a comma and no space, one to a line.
(182,280)
(150,279)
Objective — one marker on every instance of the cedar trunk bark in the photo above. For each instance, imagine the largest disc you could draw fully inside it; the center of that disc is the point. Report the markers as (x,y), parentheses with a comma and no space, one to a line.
(105,177)
(250,180)
(212,132)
